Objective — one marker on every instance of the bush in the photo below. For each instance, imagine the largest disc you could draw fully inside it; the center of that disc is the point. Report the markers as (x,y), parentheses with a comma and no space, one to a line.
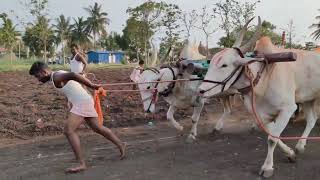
(123,61)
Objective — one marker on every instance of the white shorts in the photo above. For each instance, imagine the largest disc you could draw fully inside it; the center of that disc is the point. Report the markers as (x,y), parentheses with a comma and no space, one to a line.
(84,109)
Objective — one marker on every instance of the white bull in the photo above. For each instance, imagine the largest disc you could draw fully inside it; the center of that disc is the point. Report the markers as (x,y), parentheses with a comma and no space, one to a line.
(182,95)
(281,86)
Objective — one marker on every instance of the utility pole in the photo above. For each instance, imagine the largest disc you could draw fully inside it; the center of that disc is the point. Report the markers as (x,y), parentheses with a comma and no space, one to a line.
(283,39)
(19,49)
(291,28)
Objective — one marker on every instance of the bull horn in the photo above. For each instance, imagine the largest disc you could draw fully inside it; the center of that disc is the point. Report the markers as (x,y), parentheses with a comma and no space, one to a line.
(242,33)
(247,47)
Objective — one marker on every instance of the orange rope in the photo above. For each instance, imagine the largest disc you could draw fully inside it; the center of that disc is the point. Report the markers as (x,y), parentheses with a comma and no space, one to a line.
(97,105)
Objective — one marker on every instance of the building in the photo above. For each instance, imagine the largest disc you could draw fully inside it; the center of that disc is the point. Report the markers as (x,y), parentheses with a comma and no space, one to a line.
(105,57)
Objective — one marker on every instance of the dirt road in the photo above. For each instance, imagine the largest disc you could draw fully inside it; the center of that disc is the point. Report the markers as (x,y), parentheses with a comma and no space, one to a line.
(159,152)
(154,152)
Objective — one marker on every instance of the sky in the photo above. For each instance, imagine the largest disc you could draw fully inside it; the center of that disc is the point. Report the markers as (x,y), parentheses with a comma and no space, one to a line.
(278,12)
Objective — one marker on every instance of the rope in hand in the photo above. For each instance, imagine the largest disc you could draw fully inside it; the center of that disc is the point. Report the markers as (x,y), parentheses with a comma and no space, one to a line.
(97,104)
(132,83)
(260,123)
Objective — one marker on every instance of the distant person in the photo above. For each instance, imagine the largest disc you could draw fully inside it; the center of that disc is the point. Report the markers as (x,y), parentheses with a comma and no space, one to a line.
(78,63)
(136,73)
(70,84)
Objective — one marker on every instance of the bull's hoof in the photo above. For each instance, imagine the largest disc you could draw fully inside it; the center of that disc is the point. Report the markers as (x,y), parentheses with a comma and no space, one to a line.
(178,127)
(299,149)
(292,158)
(266,173)
(191,139)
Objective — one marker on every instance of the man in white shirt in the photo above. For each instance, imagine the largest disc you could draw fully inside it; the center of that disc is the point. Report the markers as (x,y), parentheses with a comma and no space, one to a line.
(136,73)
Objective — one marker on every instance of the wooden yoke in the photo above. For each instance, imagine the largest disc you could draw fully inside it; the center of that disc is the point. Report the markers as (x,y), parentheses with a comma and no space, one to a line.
(280,57)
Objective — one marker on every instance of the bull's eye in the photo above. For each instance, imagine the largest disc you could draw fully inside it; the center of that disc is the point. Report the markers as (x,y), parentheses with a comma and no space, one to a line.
(148,87)
(224,66)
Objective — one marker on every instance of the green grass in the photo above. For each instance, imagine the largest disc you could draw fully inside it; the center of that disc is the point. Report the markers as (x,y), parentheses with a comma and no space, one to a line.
(15,65)
(25,64)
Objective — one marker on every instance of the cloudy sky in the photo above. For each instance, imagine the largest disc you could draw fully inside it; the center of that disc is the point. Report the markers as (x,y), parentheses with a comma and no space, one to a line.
(279,12)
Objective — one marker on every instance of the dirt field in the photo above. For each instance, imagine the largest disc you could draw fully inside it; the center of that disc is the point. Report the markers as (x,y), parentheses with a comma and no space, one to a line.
(154,152)
(23,100)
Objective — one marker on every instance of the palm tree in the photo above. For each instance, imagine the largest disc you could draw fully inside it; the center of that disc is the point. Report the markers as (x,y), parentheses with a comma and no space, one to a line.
(79,33)
(63,30)
(96,21)
(44,32)
(316,33)
(8,34)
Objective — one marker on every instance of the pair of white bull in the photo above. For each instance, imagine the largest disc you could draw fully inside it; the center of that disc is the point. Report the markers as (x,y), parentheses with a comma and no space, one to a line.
(182,95)
(281,86)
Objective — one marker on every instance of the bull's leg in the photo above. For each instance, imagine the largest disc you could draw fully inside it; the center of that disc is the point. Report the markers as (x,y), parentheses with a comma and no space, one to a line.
(233,97)
(311,118)
(195,118)
(170,117)
(299,115)
(226,111)
(275,128)
(291,155)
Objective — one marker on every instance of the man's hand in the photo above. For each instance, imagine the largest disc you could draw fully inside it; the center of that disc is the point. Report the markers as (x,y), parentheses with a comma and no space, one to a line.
(96,86)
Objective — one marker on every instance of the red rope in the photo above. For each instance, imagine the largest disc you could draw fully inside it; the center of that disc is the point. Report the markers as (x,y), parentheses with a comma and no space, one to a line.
(128,90)
(132,83)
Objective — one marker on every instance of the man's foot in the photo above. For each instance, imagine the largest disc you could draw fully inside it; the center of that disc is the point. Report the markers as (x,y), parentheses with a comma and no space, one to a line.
(76,169)
(123,151)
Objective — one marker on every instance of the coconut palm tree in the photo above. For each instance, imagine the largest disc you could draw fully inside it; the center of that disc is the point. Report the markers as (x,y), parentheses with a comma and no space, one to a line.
(44,32)
(63,31)
(79,34)
(8,34)
(97,21)
(316,33)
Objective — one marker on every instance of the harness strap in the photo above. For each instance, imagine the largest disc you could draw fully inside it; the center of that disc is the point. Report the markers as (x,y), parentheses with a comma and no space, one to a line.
(156,71)
(226,80)
(168,91)
(239,51)
(256,80)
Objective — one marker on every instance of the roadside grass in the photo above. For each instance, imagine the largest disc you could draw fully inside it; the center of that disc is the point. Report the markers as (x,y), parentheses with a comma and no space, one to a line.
(24,65)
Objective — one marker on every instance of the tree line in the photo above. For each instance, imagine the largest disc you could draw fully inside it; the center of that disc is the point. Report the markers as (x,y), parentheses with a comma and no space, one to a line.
(148,22)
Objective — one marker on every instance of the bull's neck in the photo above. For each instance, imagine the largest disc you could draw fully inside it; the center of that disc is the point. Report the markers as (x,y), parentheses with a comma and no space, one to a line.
(166,75)
(244,82)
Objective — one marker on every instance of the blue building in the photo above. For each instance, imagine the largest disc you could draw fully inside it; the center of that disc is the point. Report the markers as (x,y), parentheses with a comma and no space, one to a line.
(105,57)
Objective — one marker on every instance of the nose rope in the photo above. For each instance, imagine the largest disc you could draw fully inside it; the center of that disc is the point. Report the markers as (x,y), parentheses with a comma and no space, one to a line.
(225,81)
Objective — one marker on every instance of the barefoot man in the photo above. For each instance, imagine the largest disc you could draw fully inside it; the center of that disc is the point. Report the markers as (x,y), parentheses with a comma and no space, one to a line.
(70,84)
